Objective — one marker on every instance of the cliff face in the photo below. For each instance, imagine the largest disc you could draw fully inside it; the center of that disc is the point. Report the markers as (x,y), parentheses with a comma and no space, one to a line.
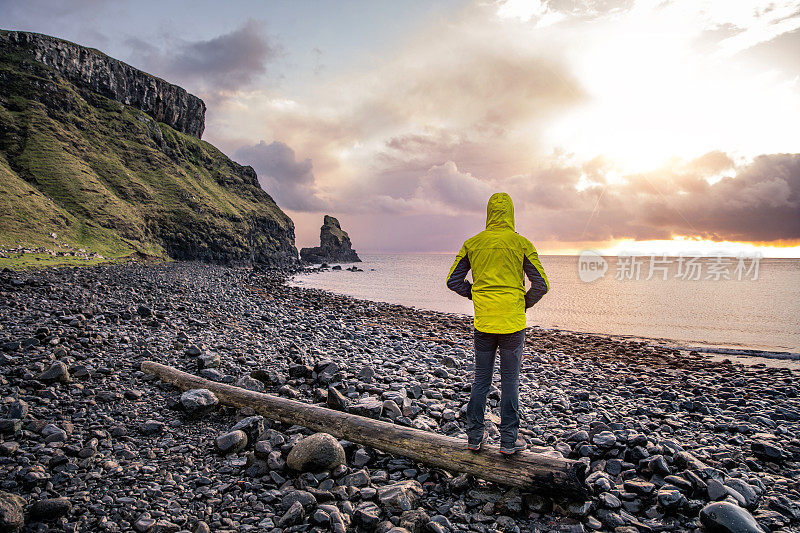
(334,245)
(91,169)
(95,71)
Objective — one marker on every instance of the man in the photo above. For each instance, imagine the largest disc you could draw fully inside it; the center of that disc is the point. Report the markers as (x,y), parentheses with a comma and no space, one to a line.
(498,257)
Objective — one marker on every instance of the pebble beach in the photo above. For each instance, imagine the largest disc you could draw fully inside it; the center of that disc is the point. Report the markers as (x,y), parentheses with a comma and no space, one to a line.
(672,440)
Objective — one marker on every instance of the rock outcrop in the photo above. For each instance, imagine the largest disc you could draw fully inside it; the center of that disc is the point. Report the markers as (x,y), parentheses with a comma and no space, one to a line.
(93,70)
(96,155)
(334,245)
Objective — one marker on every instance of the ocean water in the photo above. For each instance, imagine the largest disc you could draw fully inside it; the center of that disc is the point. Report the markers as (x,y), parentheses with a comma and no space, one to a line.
(738,314)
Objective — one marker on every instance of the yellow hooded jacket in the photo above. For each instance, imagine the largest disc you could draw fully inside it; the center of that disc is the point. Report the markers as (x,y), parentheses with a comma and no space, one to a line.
(498,258)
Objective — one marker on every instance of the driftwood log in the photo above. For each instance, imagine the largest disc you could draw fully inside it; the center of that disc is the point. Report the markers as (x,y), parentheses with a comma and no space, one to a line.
(528,470)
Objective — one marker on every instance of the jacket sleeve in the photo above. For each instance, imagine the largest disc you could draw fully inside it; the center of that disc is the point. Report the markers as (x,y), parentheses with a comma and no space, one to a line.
(456,279)
(535,272)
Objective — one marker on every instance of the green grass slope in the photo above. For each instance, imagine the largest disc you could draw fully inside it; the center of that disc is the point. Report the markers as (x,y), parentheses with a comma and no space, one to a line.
(107,178)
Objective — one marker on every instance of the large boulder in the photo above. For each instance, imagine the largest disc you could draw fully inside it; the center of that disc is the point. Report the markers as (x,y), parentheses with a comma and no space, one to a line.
(57,372)
(51,508)
(306,499)
(749,493)
(320,451)
(724,517)
(334,245)
(336,400)
(367,515)
(253,426)
(12,512)
(400,496)
(368,407)
(198,401)
(766,451)
(293,515)
(231,442)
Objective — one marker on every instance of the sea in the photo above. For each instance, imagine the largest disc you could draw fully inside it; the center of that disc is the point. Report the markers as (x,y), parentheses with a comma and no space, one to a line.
(733,306)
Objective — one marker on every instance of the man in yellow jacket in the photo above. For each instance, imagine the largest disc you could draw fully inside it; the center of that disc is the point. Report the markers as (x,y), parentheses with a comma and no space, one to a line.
(498,258)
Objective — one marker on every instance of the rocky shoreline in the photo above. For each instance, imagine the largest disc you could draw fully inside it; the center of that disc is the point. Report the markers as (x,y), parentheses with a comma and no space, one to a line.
(90,443)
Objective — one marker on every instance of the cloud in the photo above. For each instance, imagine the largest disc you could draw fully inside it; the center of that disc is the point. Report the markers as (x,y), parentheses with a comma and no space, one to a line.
(761,203)
(758,201)
(290,182)
(458,91)
(462,86)
(544,13)
(228,62)
(590,114)
(80,21)
(442,189)
(755,201)
(444,183)
(780,52)
(760,21)
(35,10)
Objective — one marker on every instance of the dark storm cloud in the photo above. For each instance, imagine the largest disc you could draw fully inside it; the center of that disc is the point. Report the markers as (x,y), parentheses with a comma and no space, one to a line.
(227,62)
(289,181)
(757,202)
(761,203)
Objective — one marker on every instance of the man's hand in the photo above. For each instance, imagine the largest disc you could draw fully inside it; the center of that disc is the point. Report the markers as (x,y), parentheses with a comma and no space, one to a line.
(457,280)
(533,295)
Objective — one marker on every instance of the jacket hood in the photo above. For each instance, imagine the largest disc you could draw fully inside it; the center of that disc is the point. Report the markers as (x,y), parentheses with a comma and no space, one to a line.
(500,212)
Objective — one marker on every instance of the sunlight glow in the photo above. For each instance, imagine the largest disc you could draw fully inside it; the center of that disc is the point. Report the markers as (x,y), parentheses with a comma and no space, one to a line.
(673,248)
(529,10)
(654,96)
(682,245)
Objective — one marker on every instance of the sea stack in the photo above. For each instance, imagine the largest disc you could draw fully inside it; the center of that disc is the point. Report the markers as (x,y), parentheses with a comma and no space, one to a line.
(334,245)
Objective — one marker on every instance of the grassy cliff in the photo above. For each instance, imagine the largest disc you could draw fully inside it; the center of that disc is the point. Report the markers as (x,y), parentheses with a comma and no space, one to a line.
(108,178)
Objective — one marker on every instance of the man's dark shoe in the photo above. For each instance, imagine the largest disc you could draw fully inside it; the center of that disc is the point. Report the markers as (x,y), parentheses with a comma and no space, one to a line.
(475,446)
(510,449)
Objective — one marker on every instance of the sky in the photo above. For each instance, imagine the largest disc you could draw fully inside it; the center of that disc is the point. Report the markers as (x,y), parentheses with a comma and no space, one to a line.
(618,125)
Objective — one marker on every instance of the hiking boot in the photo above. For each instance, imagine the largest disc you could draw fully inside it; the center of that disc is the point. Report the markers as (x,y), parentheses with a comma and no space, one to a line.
(510,449)
(475,446)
